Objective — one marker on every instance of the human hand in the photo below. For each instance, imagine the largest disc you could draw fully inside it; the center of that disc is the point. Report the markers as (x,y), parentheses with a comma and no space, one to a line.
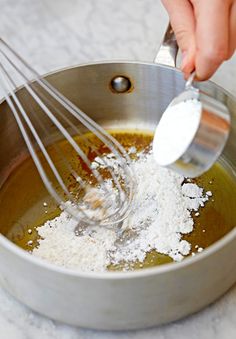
(205,31)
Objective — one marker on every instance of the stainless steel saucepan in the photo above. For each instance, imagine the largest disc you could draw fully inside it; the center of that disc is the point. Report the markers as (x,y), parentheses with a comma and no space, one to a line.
(120,95)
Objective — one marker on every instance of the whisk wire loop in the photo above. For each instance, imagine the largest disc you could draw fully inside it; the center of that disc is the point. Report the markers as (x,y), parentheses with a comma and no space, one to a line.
(121,182)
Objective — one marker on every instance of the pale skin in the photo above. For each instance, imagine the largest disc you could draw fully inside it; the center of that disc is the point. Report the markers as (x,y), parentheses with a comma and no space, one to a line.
(205,31)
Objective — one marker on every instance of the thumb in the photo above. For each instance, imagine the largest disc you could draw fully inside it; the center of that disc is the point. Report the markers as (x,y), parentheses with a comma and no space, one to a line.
(183,23)
(188,62)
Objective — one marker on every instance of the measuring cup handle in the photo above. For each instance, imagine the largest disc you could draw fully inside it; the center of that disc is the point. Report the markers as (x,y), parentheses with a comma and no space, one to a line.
(168,50)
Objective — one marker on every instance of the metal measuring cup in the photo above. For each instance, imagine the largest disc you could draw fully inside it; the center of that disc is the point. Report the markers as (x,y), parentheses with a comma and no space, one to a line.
(212,132)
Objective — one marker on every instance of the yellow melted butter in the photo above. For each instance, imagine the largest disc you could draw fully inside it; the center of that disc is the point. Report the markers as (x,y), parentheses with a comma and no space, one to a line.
(23,195)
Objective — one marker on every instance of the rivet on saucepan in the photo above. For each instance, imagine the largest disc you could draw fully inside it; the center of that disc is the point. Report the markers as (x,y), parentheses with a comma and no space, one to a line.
(120,84)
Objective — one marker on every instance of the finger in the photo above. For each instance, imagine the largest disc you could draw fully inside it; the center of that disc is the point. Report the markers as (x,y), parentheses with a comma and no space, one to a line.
(212,35)
(183,23)
(232,30)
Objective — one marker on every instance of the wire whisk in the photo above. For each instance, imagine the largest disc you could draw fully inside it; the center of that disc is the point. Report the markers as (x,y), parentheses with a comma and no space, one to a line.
(101,197)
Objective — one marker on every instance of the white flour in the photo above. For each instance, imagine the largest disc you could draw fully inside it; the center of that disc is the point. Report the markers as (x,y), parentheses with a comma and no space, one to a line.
(175,131)
(161,214)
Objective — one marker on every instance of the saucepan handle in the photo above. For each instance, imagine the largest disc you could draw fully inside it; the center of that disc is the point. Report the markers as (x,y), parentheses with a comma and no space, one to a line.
(167,53)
